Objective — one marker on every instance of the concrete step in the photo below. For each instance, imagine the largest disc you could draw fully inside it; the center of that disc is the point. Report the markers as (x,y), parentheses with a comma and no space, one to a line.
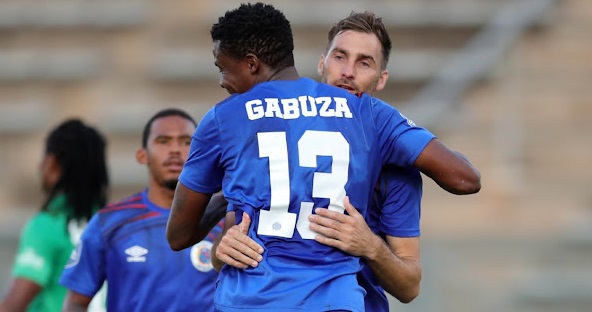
(565,290)
(402,14)
(72,14)
(61,65)
(413,65)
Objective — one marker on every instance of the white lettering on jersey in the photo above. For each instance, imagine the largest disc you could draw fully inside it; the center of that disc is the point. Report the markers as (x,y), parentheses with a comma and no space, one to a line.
(292,108)
(273,108)
(325,111)
(341,108)
(254,109)
(309,109)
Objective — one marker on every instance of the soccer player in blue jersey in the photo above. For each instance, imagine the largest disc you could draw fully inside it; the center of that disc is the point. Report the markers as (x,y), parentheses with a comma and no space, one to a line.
(279,147)
(356,58)
(125,242)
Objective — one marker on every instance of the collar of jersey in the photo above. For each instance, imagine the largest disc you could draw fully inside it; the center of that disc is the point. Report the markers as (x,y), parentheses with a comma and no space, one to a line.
(153,206)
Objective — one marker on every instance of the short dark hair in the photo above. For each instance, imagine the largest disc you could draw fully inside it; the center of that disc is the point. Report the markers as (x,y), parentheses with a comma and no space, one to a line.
(80,151)
(259,29)
(366,22)
(163,113)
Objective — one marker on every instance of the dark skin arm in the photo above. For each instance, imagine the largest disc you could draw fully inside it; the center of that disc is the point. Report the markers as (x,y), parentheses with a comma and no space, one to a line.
(215,211)
(75,302)
(449,169)
(188,208)
(20,294)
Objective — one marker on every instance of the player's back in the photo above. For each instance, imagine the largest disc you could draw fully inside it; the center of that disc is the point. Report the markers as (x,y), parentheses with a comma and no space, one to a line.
(292,145)
(285,147)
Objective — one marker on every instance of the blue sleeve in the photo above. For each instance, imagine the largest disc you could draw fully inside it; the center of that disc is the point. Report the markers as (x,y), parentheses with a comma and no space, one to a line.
(85,271)
(201,172)
(400,191)
(400,140)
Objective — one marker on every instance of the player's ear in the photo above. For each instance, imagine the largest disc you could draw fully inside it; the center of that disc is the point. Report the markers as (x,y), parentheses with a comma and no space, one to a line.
(321,65)
(382,80)
(51,170)
(142,156)
(253,62)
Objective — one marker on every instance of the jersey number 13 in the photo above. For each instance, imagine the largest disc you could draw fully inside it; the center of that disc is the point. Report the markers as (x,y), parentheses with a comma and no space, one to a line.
(277,221)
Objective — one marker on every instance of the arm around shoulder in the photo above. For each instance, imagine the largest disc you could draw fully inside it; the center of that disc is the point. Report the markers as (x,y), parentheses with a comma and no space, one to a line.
(451,170)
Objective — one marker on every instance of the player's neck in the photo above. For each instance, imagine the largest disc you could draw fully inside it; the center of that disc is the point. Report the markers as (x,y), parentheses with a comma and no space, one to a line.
(288,73)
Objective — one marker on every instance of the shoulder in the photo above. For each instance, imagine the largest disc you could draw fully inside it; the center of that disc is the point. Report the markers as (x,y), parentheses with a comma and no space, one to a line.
(129,205)
(401,175)
(379,104)
(402,183)
(131,202)
(45,221)
(116,214)
(44,231)
(225,103)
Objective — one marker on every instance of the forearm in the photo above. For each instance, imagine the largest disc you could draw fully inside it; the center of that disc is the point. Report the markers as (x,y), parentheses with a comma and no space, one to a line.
(215,211)
(470,177)
(451,170)
(399,276)
(181,236)
(20,294)
(182,230)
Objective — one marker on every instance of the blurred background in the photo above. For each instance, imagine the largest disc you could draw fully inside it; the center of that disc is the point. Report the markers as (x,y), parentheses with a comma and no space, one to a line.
(506,82)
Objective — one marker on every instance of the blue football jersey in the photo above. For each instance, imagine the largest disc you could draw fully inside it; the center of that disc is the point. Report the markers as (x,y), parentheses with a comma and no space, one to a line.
(125,244)
(279,150)
(395,211)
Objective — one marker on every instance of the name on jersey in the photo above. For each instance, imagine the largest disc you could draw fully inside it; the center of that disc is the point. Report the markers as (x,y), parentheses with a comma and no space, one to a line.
(292,108)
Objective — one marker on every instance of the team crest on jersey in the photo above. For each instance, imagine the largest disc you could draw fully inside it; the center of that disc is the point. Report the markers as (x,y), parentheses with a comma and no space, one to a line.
(74,256)
(201,256)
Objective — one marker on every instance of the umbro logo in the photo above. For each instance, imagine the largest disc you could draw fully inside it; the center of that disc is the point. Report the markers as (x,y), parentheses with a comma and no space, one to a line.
(136,254)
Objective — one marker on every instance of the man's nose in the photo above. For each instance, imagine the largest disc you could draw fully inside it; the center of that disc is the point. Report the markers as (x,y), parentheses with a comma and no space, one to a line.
(347,70)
